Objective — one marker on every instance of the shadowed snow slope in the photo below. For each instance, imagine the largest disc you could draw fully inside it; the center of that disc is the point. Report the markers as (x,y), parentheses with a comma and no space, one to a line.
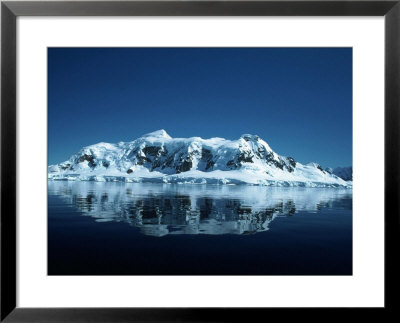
(157,157)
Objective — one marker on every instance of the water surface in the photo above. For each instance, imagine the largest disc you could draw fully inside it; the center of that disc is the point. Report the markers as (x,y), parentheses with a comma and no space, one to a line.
(162,229)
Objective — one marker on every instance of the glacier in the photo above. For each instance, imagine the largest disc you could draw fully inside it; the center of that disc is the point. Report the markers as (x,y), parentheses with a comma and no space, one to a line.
(156,157)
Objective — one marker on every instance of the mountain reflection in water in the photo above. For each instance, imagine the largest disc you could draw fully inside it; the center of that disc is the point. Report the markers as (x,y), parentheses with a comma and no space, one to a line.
(162,209)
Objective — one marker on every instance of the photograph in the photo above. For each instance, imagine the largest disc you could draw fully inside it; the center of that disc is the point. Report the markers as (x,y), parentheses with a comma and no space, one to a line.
(200,161)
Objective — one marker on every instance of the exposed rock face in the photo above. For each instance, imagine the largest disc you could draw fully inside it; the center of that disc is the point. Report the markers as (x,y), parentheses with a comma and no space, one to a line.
(89,158)
(65,166)
(207,159)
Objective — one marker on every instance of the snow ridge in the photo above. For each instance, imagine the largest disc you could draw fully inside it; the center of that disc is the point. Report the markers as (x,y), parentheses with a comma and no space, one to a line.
(157,157)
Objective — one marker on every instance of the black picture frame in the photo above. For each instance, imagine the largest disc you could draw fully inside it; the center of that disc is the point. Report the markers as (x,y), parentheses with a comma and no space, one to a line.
(10,10)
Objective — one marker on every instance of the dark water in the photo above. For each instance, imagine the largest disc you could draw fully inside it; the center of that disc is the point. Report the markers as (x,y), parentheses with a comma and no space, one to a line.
(159,229)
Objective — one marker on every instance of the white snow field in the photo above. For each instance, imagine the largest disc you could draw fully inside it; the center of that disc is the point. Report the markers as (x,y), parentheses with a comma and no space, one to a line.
(156,157)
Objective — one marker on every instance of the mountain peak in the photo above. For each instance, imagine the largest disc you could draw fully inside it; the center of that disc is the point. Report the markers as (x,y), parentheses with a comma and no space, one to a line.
(248,137)
(158,134)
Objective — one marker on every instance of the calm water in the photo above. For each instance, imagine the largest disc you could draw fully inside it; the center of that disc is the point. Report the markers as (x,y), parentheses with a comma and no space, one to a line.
(159,229)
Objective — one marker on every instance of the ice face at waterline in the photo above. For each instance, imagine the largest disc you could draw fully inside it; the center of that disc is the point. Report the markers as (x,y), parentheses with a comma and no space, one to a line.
(157,157)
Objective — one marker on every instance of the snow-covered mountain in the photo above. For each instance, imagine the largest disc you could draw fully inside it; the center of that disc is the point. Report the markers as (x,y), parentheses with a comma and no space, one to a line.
(345,173)
(156,157)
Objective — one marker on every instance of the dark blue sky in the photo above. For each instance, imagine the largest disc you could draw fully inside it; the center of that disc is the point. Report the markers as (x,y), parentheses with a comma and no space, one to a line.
(299,100)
